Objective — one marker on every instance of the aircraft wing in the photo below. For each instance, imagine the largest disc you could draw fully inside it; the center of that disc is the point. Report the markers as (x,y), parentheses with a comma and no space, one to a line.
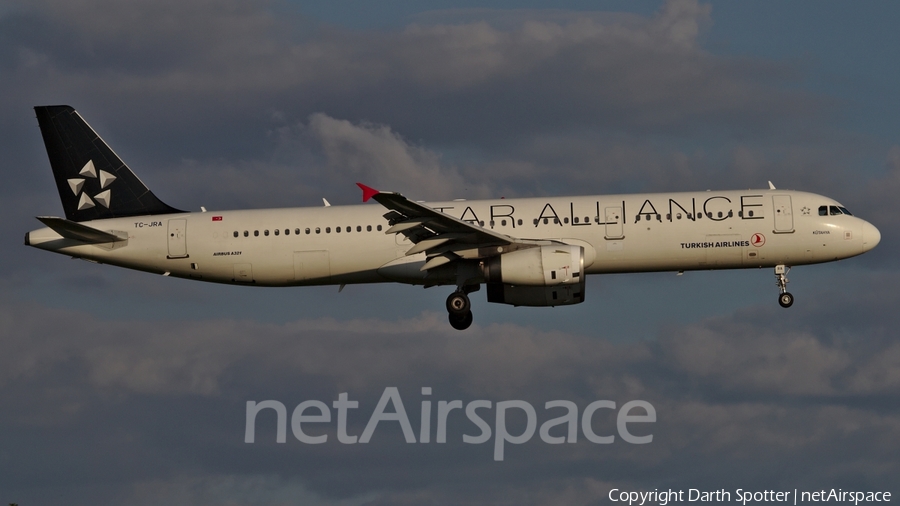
(442,237)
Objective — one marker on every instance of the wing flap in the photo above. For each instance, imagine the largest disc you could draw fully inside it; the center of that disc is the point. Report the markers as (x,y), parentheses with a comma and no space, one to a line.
(439,260)
(434,242)
(407,225)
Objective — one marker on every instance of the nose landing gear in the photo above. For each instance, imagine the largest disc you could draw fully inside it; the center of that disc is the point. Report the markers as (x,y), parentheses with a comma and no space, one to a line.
(459,310)
(785,299)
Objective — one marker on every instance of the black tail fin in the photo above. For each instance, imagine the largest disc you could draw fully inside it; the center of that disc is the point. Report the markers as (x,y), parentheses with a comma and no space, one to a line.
(93,182)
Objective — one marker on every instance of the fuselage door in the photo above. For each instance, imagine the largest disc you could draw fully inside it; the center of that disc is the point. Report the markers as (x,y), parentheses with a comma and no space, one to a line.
(243,273)
(784,219)
(311,265)
(178,239)
(614,221)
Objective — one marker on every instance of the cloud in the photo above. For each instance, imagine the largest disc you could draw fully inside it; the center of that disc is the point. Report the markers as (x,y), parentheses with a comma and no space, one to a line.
(138,396)
(746,387)
(643,74)
(378,155)
(231,490)
(738,357)
(242,103)
(324,157)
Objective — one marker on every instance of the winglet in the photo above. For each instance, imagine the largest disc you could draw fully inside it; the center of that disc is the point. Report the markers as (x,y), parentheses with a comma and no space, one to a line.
(368,192)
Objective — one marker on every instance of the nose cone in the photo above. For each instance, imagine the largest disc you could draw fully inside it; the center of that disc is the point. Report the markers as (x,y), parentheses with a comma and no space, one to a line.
(870,236)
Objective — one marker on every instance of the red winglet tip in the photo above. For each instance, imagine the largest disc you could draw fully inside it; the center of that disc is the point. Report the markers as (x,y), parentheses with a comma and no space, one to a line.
(368,192)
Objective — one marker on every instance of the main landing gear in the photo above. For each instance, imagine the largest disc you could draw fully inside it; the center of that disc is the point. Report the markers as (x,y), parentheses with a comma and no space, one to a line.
(785,299)
(459,309)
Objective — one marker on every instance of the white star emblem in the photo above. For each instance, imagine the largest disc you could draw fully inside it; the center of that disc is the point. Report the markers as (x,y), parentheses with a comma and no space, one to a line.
(77,185)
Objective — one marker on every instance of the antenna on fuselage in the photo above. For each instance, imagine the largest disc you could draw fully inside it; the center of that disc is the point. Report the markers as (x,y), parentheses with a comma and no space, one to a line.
(771,186)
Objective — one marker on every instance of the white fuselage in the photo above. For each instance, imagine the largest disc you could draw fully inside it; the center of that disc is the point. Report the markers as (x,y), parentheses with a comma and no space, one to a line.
(347,244)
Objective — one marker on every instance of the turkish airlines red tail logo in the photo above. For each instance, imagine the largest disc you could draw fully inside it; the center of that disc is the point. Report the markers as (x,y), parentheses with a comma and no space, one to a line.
(758,240)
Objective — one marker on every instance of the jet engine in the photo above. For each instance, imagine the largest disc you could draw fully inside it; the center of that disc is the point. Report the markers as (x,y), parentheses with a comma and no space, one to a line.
(541,276)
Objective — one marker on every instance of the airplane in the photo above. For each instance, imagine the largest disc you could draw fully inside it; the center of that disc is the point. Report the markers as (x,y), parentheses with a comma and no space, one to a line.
(526,251)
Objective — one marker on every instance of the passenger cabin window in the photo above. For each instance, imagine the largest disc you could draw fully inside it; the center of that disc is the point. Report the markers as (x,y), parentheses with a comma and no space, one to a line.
(358,228)
(277,231)
(379,228)
(368,228)
(256,233)
(236,233)
(266,233)
(246,233)
(520,222)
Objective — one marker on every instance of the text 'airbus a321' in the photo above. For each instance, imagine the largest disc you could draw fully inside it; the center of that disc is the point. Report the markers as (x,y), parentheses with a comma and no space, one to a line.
(528,252)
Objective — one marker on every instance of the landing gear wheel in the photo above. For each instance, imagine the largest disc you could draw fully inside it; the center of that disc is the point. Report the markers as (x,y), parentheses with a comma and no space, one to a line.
(458,304)
(786,299)
(461,321)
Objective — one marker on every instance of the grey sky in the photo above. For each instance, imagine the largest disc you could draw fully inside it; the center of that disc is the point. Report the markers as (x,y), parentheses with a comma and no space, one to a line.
(120,387)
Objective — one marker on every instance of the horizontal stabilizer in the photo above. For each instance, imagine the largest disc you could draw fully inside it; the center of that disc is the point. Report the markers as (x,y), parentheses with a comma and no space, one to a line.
(79,232)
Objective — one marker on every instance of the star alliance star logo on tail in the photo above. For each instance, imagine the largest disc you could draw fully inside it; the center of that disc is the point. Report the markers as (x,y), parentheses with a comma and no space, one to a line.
(77,185)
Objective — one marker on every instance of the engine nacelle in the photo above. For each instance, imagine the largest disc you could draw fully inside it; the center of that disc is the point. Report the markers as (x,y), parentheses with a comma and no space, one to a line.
(560,295)
(540,276)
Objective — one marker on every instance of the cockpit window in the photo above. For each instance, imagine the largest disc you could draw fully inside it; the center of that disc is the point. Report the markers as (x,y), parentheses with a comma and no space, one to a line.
(833,211)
